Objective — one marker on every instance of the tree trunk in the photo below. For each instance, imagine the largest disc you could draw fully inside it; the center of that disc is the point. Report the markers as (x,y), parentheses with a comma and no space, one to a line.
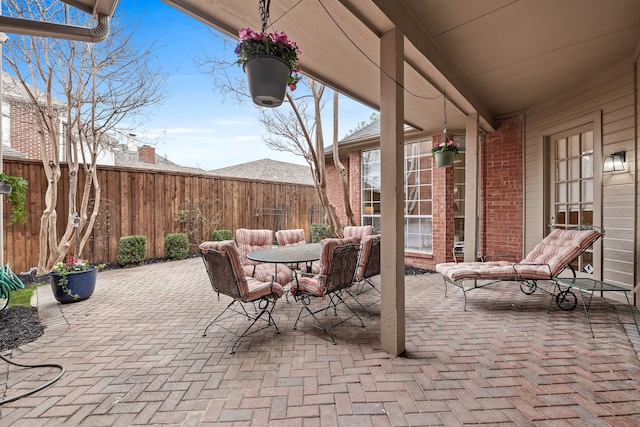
(346,194)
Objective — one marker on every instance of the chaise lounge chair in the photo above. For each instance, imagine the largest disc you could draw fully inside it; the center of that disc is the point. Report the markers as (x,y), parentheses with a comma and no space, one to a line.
(547,260)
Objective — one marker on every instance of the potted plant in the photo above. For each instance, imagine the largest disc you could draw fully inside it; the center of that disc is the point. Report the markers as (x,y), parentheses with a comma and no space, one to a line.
(444,152)
(73,280)
(270,61)
(16,188)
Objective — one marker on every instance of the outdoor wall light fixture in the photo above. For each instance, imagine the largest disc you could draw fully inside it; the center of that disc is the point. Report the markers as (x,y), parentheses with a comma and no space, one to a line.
(614,162)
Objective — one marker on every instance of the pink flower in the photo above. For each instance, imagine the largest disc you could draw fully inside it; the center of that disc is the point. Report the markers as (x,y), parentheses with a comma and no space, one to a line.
(280,36)
(248,33)
(292,87)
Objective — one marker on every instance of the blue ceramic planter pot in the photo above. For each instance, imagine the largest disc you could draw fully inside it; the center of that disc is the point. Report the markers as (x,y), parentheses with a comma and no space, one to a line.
(80,285)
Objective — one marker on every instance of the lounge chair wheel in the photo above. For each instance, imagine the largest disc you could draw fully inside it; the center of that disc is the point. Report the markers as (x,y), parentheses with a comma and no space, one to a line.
(566,300)
(528,287)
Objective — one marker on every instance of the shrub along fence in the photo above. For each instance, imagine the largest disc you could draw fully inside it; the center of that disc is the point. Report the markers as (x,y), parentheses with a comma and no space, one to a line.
(146,202)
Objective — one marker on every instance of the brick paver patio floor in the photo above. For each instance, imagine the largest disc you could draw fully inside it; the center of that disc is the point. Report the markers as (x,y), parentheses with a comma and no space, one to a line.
(134,355)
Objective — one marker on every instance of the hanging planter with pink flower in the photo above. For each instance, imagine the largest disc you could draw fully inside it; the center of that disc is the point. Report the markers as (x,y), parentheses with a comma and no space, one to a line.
(270,61)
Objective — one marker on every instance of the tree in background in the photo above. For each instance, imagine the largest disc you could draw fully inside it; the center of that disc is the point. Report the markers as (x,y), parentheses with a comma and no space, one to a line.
(295,127)
(80,93)
(290,128)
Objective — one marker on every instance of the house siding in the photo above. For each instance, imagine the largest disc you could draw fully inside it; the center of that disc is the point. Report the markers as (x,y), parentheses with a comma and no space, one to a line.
(611,96)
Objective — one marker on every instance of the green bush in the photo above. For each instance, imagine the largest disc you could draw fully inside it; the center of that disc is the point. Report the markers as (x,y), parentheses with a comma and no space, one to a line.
(132,250)
(319,232)
(220,235)
(176,245)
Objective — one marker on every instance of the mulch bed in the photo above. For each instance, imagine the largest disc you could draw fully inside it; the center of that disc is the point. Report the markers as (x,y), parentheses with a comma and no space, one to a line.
(19,325)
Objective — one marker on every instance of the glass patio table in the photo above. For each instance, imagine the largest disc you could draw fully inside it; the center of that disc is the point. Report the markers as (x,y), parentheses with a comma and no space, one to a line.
(287,254)
(591,287)
(293,254)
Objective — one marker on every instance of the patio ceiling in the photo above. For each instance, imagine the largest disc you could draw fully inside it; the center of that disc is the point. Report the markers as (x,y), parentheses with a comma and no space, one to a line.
(493,57)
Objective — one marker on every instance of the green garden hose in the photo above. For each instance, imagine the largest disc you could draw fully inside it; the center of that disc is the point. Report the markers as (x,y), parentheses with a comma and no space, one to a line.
(8,282)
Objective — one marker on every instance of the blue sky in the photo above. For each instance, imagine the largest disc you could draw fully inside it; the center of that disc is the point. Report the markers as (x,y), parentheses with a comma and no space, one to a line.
(194,126)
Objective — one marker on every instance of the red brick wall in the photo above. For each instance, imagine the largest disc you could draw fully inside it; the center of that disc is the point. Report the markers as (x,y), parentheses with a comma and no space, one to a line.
(334,187)
(501,202)
(443,223)
(502,186)
(23,131)
(355,184)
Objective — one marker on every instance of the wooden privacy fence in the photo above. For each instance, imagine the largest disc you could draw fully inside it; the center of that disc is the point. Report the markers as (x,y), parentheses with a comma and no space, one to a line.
(146,202)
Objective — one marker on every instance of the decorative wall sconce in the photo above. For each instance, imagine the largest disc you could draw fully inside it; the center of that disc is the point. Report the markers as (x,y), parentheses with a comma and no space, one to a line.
(614,162)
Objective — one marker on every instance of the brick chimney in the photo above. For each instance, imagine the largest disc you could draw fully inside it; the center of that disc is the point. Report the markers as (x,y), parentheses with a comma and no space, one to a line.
(147,154)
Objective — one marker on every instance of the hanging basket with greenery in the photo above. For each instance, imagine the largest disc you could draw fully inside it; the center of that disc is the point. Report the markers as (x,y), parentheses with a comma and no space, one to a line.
(17,196)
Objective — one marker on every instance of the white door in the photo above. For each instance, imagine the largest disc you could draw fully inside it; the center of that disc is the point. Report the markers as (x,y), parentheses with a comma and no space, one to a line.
(572,183)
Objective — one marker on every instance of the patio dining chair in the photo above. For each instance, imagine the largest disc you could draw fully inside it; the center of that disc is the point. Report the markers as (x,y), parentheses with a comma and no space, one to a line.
(368,267)
(227,277)
(295,237)
(359,231)
(368,263)
(249,240)
(338,262)
(291,237)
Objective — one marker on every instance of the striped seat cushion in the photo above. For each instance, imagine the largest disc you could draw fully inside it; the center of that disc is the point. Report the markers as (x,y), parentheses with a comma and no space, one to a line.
(291,237)
(359,231)
(478,270)
(316,284)
(252,240)
(250,289)
(557,250)
(365,252)
(264,271)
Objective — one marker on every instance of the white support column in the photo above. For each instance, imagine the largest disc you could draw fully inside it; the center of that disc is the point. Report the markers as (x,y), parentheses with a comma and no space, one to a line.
(392,315)
(471,177)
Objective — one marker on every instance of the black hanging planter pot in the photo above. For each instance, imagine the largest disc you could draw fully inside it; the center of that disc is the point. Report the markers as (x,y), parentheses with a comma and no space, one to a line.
(5,187)
(267,76)
(75,286)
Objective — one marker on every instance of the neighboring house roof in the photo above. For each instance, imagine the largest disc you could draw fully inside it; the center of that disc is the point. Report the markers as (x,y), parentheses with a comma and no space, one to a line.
(372,129)
(12,153)
(363,137)
(130,158)
(13,90)
(268,170)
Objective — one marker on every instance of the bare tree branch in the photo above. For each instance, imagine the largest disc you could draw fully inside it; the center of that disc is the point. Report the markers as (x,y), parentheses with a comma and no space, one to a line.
(91,89)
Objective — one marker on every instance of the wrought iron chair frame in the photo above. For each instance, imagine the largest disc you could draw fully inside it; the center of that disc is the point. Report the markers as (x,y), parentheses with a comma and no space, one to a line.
(343,265)
(218,263)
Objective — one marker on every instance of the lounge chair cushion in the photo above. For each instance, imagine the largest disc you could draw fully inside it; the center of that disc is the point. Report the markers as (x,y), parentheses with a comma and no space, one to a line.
(547,259)
(480,270)
(556,251)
